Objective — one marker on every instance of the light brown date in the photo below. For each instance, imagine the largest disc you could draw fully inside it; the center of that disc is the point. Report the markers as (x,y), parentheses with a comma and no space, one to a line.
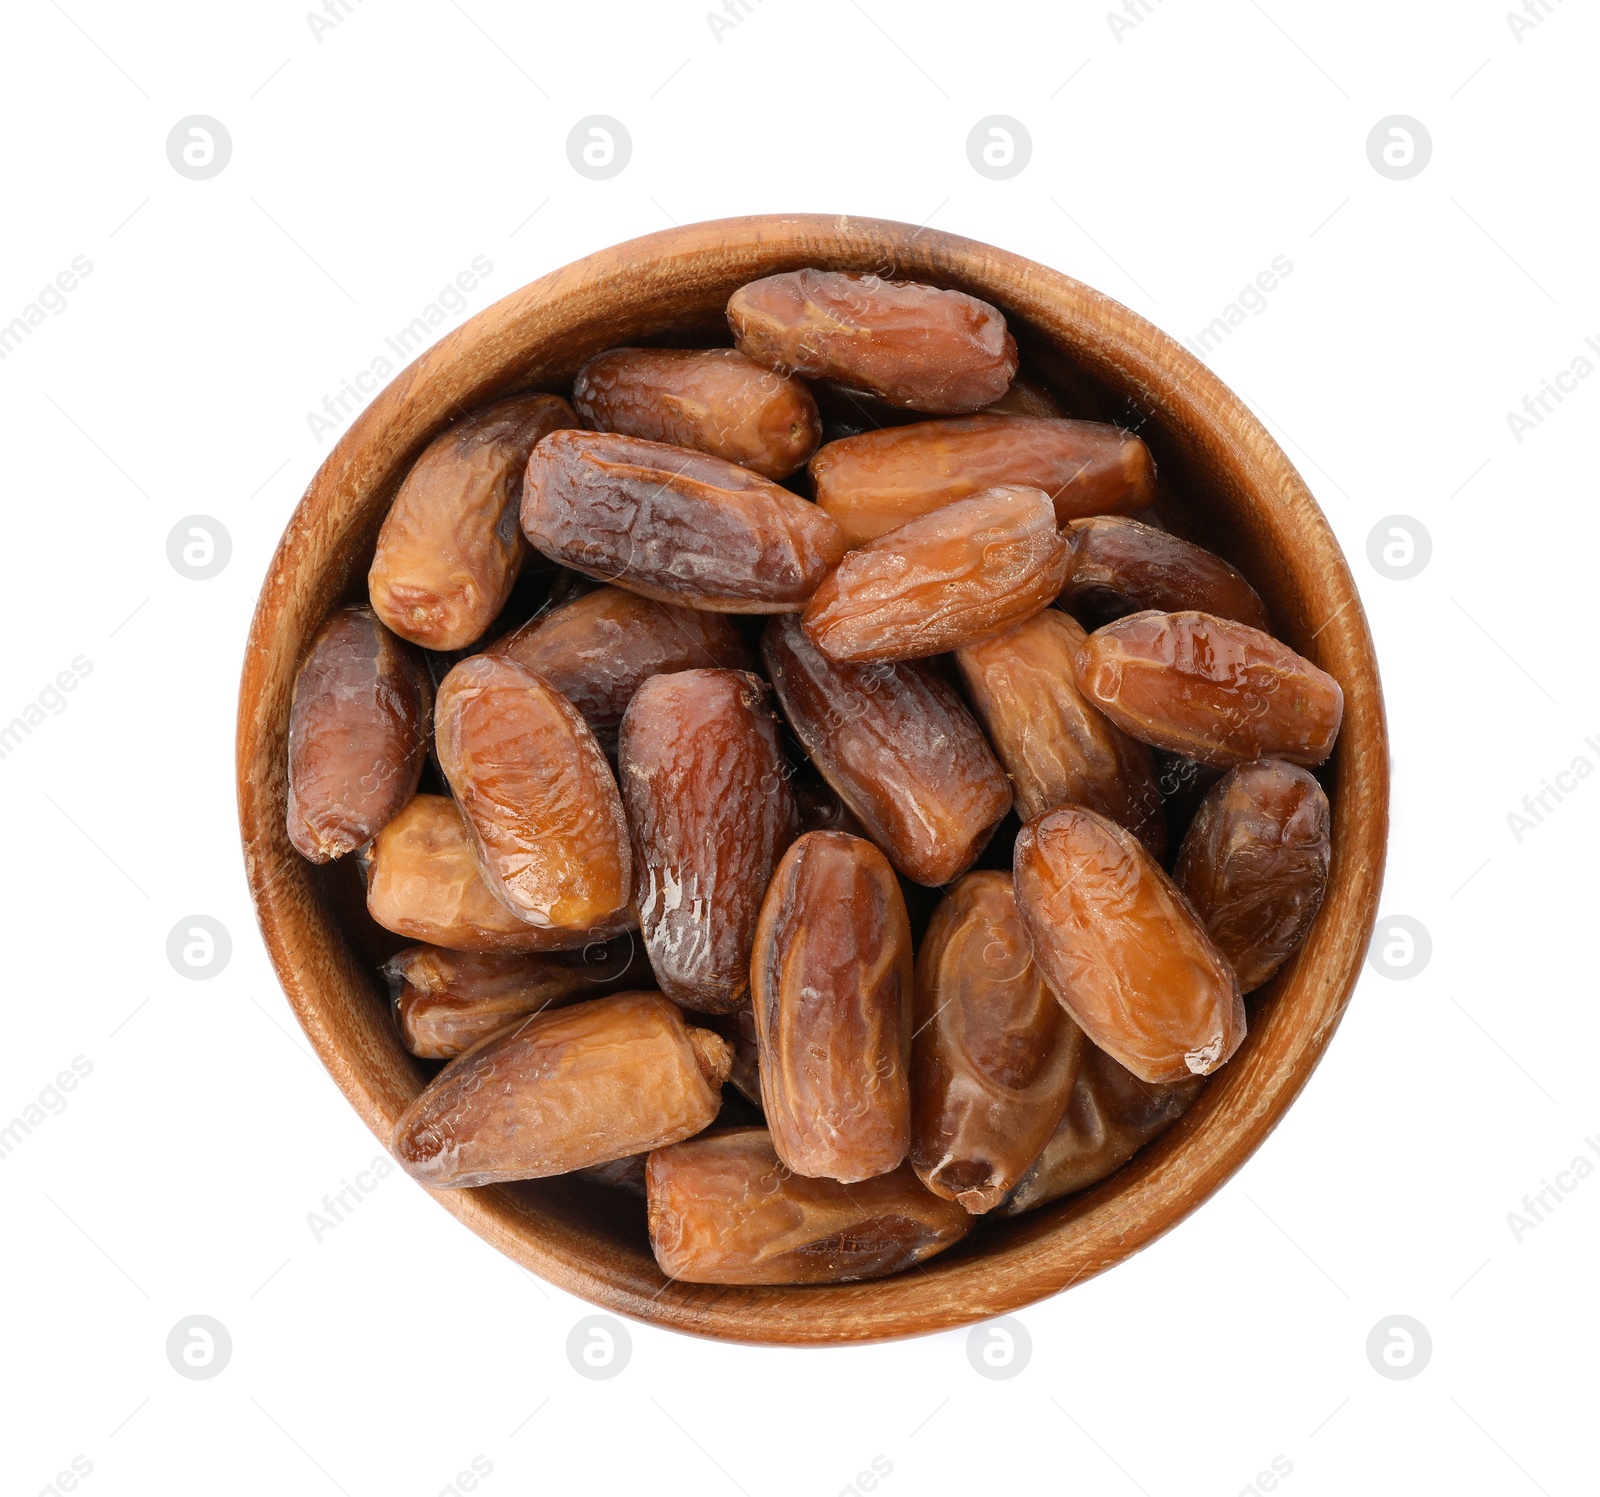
(875,482)
(445,1002)
(711,399)
(1057,749)
(960,574)
(449,550)
(723,1209)
(1124,567)
(546,819)
(899,748)
(831,981)
(678,526)
(1210,689)
(1255,864)
(994,1057)
(1111,1117)
(1121,948)
(710,813)
(564,1090)
(598,648)
(424,883)
(358,734)
(912,345)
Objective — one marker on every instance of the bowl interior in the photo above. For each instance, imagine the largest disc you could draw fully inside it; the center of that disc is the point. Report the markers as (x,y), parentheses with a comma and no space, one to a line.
(1223,483)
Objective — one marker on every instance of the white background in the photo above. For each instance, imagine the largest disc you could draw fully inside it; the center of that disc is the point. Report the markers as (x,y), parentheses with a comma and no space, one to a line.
(1170,164)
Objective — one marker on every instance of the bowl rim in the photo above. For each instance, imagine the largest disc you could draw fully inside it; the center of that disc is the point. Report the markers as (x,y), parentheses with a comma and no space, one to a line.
(1059,1245)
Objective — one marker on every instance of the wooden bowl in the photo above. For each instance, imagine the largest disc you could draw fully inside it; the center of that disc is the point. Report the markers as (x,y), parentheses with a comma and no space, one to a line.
(1224,482)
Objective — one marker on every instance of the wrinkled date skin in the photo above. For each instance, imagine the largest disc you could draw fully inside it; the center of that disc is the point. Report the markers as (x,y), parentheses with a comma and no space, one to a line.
(445,1002)
(711,399)
(995,1055)
(424,883)
(678,526)
(538,795)
(1111,1117)
(710,813)
(560,1091)
(1211,689)
(912,345)
(598,649)
(899,748)
(1255,864)
(1056,747)
(449,550)
(831,981)
(1125,567)
(1122,950)
(875,482)
(358,735)
(969,570)
(723,1209)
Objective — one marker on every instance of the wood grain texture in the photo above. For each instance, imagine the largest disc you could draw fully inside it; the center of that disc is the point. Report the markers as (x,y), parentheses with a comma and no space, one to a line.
(1224,483)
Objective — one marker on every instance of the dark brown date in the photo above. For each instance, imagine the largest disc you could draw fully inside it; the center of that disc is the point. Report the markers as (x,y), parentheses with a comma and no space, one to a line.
(424,883)
(711,399)
(1111,1117)
(598,648)
(564,1090)
(678,526)
(875,482)
(994,1056)
(899,748)
(1210,689)
(723,1209)
(710,813)
(358,734)
(960,574)
(1255,864)
(546,819)
(831,982)
(1124,567)
(1122,950)
(1056,747)
(449,550)
(912,345)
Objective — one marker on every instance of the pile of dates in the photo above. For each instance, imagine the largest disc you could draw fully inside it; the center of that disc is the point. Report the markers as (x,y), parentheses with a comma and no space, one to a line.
(814,717)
